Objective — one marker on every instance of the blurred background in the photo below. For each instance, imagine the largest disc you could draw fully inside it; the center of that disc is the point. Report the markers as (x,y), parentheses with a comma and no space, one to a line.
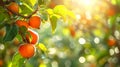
(89,38)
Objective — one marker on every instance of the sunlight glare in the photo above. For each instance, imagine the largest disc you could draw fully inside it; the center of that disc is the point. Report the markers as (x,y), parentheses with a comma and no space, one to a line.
(111,51)
(2,47)
(52,50)
(54,64)
(96,40)
(82,59)
(116,50)
(87,2)
(82,41)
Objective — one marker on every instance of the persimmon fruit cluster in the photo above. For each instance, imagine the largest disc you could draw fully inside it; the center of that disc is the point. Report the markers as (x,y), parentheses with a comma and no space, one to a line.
(30,38)
(27,49)
(34,22)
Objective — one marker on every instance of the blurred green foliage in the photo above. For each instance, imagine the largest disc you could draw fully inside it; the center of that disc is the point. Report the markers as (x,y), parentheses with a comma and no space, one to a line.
(71,35)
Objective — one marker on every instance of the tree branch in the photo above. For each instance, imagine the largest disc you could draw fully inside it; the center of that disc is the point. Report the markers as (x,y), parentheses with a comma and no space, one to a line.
(18,14)
(23,15)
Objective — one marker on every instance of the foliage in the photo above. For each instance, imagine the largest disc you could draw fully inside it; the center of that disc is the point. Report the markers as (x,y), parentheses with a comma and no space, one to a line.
(69,34)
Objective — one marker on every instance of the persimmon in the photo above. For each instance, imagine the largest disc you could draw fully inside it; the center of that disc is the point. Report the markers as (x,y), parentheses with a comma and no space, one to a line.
(1,62)
(111,12)
(35,22)
(32,37)
(72,31)
(111,41)
(26,50)
(52,4)
(22,23)
(14,7)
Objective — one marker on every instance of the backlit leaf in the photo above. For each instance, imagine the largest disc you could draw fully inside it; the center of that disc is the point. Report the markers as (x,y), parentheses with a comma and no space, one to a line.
(42,47)
(17,60)
(53,20)
(61,10)
(33,2)
(49,11)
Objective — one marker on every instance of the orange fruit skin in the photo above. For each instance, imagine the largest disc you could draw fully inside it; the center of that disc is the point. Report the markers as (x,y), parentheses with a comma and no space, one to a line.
(32,37)
(26,50)
(111,12)
(1,62)
(22,23)
(111,42)
(14,7)
(72,31)
(35,22)
(52,4)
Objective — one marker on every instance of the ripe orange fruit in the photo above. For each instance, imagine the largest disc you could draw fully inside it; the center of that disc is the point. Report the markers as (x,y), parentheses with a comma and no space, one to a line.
(32,37)
(52,4)
(35,22)
(26,50)
(14,7)
(22,23)
(72,31)
(1,62)
(111,12)
(111,42)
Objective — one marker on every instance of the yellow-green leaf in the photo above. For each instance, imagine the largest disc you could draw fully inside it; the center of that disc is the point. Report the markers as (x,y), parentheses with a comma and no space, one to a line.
(49,11)
(42,47)
(33,2)
(42,65)
(53,20)
(61,10)
(71,14)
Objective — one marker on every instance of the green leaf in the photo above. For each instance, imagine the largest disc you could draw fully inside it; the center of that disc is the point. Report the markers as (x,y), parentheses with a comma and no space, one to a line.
(11,32)
(2,9)
(44,16)
(97,32)
(53,20)
(118,2)
(113,2)
(26,9)
(112,21)
(33,2)
(2,17)
(71,14)
(42,47)
(23,29)
(61,10)
(49,11)
(43,2)
(17,60)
